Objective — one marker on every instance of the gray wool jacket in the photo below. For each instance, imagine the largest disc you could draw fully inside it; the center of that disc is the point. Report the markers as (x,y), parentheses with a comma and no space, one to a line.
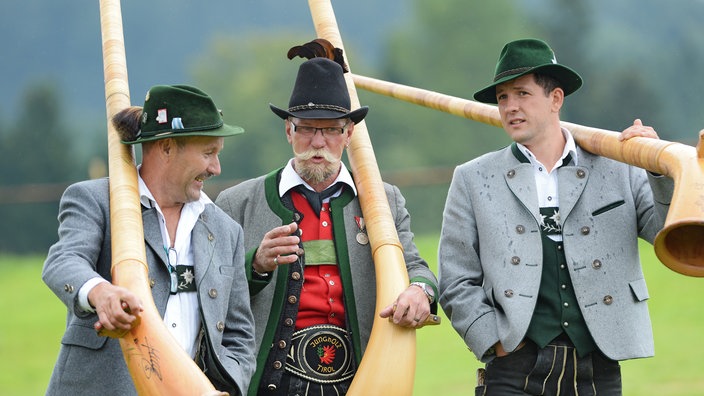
(92,365)
(490,252)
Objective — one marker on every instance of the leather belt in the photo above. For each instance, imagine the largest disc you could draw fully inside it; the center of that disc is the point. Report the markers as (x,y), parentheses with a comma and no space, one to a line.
(321,354)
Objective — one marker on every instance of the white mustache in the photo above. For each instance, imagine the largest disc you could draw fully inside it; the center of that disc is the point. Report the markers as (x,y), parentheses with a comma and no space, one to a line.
(306,155)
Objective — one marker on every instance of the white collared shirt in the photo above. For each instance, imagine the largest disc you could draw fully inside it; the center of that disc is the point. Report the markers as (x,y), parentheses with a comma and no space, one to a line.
(290,179)
(546,182)
(182,316)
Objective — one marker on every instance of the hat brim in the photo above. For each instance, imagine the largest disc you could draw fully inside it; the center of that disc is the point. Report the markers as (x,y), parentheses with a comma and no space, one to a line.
(321,114)
(569,80)
(224,131)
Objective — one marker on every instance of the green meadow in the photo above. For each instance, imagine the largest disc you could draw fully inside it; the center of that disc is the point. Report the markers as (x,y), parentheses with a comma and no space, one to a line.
(33,322)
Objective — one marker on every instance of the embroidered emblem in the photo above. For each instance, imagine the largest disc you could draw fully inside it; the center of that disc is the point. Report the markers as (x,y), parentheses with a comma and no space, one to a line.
(550,221)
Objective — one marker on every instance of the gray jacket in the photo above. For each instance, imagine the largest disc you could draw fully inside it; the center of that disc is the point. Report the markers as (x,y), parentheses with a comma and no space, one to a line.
(490,252)
(93,365)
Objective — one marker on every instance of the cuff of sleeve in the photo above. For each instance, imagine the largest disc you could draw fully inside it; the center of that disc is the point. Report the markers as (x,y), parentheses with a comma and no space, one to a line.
(83,303)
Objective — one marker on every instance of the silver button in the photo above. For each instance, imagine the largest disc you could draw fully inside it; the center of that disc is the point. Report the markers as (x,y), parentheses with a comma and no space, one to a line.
(510,174)
(213,293)
(584,230)
(508,293)
(608,300)
(515,260)
(596,264)
(520,229)
(220,326)
(566,324)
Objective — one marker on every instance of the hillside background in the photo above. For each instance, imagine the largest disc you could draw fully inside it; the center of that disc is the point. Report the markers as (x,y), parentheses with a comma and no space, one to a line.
(638,59)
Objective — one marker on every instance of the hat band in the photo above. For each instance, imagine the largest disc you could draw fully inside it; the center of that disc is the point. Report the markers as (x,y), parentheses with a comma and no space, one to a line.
(311,106)
(511,72)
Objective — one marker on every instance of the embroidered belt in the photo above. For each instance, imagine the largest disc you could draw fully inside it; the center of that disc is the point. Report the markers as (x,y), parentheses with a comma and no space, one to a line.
(321,354)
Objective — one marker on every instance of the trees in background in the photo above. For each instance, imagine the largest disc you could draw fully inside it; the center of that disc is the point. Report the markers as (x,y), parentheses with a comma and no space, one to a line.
(638,59)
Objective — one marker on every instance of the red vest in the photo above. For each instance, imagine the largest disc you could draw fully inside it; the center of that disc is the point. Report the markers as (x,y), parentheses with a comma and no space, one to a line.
(321,299)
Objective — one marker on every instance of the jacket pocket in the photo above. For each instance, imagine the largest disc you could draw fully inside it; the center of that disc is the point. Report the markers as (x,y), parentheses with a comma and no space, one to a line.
(82,333)
(639,289)
(608,207)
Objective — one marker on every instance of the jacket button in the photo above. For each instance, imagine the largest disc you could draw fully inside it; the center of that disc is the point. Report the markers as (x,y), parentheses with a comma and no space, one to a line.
(210,237)
(296,217)
(68,288)
(292,299)
(277,365)
(520,229)
(515,260)
(581,173)
(296,276)
(510,174)
(508,293)
(152,282)
(271,387)
(596,264)
(608,300)
(220,326)
(288,322)
(584,230)
(282,344)
(213,293)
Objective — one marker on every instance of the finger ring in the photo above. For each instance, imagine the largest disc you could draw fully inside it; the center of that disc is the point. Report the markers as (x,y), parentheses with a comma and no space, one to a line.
(416,319)
(276,260)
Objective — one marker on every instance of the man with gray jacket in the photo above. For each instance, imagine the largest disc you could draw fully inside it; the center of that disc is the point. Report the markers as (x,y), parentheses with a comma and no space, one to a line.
(194,252)
(538,257)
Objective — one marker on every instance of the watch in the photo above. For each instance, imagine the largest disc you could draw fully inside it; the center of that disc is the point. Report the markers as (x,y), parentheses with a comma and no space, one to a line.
(426,289)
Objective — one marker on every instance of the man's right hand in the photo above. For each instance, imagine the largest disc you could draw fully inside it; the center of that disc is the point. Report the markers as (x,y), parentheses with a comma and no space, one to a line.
(278,247)
(117,309)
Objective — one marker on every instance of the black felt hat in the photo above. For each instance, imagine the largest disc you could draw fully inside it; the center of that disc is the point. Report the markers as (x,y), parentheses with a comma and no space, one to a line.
(320,92)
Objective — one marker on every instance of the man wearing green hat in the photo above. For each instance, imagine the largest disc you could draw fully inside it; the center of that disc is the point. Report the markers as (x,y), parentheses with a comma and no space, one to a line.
(538,257)
(194,252)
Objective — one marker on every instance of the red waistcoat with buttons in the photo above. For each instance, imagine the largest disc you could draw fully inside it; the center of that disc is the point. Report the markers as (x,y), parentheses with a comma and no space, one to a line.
(321,299)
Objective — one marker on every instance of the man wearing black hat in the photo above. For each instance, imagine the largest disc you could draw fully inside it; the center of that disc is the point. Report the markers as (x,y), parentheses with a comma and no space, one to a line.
(312,279)
(194,252)
(538,257)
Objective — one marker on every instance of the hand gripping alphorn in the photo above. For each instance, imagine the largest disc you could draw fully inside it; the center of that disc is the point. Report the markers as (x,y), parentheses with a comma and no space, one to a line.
(157,364)
(388,365)
(680,244)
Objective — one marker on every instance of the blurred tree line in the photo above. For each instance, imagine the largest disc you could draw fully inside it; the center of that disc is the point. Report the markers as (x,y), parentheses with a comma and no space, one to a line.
(449,46)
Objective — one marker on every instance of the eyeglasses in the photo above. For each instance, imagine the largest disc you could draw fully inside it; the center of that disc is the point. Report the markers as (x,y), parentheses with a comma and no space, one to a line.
(310,131)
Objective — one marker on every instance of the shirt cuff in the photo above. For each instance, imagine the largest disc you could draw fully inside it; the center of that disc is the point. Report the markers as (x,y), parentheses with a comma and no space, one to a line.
(83,303)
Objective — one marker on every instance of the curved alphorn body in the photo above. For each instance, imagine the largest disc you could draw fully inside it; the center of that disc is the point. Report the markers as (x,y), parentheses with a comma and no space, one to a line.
(377,374)
(157,364)
(680,244)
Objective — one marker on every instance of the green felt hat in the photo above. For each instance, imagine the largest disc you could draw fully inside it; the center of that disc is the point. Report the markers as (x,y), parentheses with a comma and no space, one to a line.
(527,56)
(180,110)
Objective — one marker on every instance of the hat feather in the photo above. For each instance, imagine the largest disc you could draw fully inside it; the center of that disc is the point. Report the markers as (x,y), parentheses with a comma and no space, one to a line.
(319,48)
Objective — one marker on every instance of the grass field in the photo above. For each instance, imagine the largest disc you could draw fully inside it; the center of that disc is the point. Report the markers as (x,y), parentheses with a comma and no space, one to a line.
(33,322)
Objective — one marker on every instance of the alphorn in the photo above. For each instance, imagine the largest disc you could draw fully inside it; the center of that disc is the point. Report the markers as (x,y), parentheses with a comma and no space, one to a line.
(680,244)
(157,364)
(376,374)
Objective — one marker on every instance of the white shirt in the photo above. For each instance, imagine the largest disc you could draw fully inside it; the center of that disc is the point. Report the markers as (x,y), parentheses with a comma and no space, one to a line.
(182,316)
(290,179)
(546,182)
